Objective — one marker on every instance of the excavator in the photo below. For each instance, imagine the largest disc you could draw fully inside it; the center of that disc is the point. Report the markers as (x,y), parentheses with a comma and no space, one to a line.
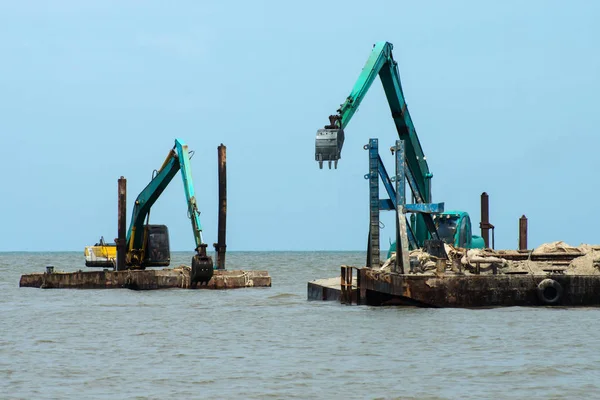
(148,245)
(453,227)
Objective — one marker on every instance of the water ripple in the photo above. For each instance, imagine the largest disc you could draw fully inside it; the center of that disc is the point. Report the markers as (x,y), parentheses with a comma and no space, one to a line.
(272,343)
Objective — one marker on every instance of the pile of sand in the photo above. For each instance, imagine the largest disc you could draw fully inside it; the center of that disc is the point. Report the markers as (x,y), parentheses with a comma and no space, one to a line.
(587,264)
(556,247)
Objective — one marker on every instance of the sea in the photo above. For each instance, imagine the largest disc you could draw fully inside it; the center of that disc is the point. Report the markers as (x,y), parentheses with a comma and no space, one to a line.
(272,343)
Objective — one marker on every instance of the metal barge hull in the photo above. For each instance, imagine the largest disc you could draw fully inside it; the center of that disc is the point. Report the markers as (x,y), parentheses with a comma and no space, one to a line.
(376,288)
(149,279)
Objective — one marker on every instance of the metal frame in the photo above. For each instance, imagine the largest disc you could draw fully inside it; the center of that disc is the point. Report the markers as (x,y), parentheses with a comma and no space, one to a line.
(396,190)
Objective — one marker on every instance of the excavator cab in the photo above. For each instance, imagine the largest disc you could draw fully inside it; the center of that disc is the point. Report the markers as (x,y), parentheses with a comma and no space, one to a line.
(158,253)
(454,228)
(447,226)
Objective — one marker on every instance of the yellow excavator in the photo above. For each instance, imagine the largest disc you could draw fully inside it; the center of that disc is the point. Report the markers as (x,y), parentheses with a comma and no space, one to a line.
(101,254)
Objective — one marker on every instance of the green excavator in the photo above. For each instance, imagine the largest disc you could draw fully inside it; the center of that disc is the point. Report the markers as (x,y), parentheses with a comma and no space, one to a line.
(453,227)
(148,245)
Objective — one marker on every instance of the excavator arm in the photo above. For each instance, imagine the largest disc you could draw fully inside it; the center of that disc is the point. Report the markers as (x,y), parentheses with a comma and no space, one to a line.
(178,159)
(148,245)
(330,139)
(380,63)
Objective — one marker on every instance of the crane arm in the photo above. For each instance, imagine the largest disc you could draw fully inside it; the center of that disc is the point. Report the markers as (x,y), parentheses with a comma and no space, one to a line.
(188,187)
(381,53)
(177,159)
(415,158)
(330,139)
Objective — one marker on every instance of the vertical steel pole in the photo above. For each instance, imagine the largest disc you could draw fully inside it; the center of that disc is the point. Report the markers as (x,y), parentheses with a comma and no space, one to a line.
(343,284)
(523,233)
(374,250)
(221,246)
(485,219)
(122,224)
(402,258)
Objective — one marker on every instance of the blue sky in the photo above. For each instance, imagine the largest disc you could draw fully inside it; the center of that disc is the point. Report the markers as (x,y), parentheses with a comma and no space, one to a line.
(503,96)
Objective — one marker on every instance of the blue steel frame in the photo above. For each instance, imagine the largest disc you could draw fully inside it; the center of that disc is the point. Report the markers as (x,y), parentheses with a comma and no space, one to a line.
(396,190)
(373,250)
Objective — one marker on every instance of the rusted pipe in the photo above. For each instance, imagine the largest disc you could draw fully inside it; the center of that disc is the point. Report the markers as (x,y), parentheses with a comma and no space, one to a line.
(485,219)
(343,281)
(523,233)
(122,224)
(343,277)
(346,284)
(221,246)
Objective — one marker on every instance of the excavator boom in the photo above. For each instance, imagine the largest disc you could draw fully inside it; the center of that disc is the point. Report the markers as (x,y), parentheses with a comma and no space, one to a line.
(147,245)
(178,159)
(329,140)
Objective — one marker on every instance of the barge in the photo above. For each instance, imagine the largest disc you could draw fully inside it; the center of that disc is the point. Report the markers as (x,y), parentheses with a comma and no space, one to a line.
(554,274)
(149,279)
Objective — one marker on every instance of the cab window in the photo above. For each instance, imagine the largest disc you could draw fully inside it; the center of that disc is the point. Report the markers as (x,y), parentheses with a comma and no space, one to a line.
(462,235)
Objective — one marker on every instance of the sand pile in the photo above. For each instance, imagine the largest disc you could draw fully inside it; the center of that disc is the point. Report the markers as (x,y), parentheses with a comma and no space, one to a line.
(556,247)
(487,261)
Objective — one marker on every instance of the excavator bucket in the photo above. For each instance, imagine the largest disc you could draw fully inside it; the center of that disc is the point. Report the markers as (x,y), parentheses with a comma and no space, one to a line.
(328,146)
(202,267)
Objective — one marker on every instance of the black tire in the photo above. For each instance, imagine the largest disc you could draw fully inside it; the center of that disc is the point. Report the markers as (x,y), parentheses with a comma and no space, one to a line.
(549,291)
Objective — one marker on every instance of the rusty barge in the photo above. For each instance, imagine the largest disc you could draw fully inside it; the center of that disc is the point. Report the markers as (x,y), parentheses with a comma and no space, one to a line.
(150,279)
(131,261)
(554,274)
(440,262)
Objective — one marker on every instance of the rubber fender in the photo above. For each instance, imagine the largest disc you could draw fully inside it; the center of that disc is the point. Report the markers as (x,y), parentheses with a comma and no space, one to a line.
(549,291)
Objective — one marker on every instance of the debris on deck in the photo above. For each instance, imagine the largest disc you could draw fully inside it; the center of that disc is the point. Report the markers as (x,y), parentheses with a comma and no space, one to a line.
(556,257)
(553,274)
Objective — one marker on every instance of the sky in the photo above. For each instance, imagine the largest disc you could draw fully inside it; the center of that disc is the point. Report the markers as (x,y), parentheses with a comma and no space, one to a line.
(503,96)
